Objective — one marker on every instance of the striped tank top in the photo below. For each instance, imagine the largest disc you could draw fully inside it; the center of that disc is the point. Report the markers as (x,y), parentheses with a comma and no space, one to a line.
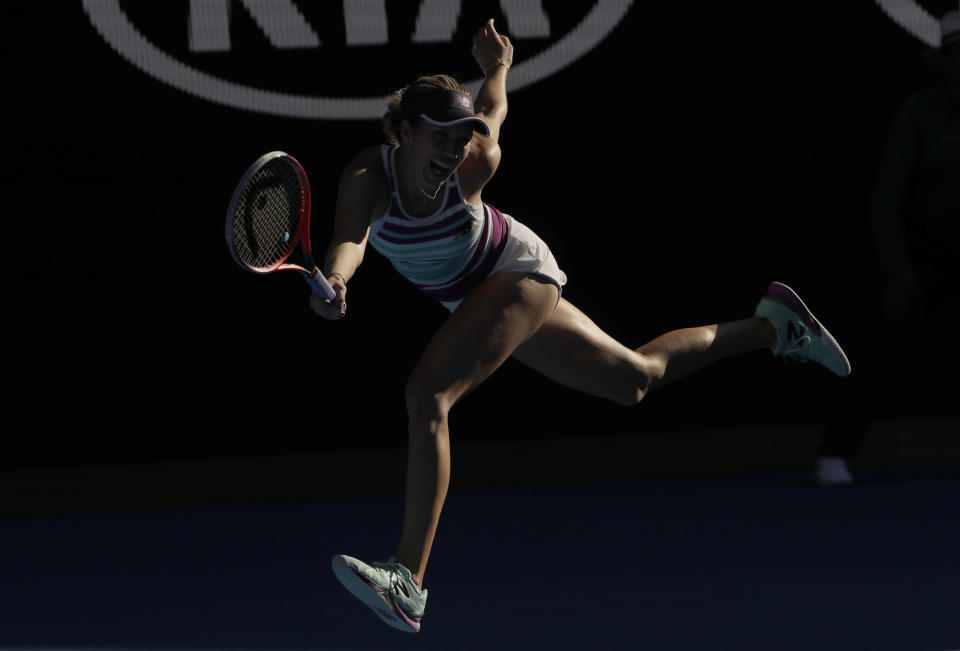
(446,254)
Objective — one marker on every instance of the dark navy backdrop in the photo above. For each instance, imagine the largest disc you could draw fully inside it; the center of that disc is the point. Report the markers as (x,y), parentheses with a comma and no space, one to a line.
(695,154)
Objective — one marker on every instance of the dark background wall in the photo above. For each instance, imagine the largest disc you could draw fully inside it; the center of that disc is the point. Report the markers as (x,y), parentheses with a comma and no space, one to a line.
(698,152)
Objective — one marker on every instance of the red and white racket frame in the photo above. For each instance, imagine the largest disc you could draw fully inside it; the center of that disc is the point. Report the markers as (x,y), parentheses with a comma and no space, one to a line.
(310,273)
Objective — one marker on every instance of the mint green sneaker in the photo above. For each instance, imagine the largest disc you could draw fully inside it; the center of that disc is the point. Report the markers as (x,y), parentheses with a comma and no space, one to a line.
(799,335)
(387,587)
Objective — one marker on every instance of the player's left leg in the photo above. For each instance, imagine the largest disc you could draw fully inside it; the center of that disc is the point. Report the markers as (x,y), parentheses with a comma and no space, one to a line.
(572,350)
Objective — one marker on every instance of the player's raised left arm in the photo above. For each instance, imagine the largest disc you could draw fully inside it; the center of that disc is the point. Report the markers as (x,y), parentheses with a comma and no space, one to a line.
(493,53)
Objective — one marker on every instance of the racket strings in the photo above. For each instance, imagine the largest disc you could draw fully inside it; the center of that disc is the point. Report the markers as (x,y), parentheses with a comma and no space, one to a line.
(268,215)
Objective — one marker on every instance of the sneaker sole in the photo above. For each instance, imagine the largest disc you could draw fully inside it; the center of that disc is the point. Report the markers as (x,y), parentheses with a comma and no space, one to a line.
(370,594)
(780,293)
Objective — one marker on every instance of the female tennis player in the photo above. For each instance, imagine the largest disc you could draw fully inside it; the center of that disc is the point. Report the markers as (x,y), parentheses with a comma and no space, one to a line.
(418,202)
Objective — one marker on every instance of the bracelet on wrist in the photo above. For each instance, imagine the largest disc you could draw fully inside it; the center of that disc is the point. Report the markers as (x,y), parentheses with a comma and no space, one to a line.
(498,62)
(335,273)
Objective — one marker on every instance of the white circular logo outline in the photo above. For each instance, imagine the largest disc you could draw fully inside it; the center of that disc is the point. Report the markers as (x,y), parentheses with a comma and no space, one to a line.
(913,18)
(121,34)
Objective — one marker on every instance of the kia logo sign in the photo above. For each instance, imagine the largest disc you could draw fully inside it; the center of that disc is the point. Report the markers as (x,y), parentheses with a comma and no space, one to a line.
(365,24)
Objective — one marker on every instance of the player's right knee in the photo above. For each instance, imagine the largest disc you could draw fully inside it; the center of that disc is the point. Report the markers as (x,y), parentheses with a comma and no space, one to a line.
(426,406)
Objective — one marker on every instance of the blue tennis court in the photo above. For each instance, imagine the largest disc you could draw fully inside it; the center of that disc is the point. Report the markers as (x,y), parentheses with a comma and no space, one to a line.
(753,560)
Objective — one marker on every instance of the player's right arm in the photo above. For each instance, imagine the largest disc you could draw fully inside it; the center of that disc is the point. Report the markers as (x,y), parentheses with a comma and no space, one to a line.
(356,197)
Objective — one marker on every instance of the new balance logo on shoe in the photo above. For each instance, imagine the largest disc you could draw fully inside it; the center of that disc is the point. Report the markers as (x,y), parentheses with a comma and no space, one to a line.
(795,330)
(398,586)
(799,335)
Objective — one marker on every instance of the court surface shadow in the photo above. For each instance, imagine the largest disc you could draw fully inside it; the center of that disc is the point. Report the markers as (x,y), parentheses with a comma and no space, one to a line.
(737,562)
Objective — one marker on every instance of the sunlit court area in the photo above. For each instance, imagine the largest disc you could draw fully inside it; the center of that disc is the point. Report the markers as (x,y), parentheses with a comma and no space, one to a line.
(625,326)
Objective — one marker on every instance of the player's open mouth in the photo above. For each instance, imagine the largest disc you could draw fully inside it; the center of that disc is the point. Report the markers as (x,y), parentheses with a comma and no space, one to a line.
(440,171)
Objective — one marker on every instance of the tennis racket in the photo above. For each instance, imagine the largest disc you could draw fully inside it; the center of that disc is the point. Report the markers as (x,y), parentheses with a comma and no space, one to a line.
(269,215)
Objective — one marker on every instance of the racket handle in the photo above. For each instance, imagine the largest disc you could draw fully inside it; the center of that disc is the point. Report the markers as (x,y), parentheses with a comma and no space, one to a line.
(319,284)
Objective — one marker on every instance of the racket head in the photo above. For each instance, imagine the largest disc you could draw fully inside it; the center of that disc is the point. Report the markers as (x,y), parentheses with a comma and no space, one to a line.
(269,214)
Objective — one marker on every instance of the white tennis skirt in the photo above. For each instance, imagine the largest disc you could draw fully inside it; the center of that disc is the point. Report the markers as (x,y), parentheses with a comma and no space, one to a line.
(526,252)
